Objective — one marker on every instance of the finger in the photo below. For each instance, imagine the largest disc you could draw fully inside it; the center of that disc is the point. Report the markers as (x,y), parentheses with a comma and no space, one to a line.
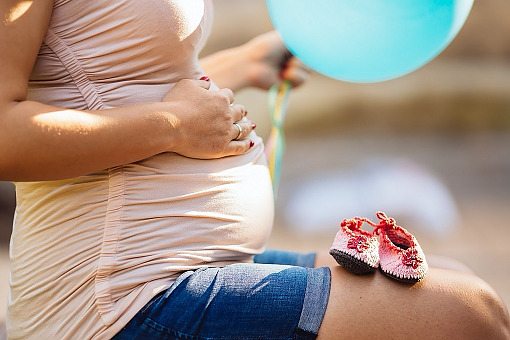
(238,131)
(238,112)
(227,93)
(238,147)
(294,62)
(296,75)
(242,128)
(202,83)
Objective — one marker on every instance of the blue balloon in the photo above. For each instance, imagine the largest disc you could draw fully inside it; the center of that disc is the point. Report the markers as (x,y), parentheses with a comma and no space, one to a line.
(367,40)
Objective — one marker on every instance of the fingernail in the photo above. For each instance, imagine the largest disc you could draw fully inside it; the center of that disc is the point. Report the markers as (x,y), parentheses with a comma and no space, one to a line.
(206,78)
(253,126)
(251,144)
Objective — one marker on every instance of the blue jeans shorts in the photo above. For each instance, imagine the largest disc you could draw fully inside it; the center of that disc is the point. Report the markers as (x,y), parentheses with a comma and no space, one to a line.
(280,296)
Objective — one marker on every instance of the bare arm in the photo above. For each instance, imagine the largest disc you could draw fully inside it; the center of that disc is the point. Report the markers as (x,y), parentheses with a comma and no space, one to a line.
(261,62)
(41,142)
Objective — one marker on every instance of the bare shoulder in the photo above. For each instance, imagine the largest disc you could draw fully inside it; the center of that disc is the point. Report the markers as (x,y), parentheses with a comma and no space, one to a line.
(21,34)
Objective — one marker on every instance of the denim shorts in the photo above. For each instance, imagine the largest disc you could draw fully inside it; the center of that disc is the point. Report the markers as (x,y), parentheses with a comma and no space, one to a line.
(280,296)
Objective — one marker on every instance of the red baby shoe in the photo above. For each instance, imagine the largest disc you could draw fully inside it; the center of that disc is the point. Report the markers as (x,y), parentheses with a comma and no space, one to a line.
(401,257)
(354,249)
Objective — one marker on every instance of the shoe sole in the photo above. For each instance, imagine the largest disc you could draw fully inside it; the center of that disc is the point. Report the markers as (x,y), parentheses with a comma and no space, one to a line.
(351,263)
(410,280)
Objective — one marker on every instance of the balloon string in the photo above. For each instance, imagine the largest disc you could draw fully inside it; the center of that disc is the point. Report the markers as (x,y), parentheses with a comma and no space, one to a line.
(278,98)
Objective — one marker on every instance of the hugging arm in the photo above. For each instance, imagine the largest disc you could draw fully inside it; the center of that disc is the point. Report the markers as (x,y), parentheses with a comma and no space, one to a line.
(43,142)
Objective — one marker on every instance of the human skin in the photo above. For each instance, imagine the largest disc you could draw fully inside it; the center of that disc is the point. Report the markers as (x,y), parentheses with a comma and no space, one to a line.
(191,119)
(262,62)
(65,143)
(450,303)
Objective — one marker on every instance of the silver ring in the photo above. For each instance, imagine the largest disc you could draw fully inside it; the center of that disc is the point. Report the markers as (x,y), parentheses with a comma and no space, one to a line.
(240,131)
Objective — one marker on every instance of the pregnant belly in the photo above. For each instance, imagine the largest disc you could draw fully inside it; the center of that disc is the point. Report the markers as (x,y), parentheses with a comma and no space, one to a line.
(185,211)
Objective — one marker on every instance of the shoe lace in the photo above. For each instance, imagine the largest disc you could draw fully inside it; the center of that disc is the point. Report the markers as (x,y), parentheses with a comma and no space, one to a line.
(354,223)
(385,222)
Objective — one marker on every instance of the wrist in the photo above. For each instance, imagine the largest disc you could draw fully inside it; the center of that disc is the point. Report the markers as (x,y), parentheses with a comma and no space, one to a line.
(229,68)
(162,126)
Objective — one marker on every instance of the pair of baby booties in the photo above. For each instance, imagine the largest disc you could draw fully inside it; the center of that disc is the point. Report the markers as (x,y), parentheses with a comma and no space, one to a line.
(389,247)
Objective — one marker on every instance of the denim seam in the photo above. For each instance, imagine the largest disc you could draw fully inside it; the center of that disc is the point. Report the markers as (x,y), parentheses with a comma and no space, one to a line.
(144,309)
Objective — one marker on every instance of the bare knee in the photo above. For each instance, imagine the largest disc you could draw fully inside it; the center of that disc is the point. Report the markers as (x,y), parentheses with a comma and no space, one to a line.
(446,304)
(489,315)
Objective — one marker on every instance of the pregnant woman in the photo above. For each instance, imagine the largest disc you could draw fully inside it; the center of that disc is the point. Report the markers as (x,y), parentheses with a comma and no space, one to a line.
(144,200)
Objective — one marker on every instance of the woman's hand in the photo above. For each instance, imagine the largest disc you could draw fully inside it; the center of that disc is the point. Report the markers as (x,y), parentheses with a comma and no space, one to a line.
(261,62)
(269,62)
(42,142)
(203,121)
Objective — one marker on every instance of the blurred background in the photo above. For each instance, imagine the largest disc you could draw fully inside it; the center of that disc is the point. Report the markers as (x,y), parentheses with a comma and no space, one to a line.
(431,149)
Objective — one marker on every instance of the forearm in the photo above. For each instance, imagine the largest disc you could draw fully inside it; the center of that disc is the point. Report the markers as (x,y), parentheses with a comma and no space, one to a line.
(228,68)
(41,142)
(261,62)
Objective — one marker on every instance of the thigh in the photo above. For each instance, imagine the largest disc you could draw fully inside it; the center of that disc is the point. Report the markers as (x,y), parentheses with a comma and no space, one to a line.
(240,301)
(446,305)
